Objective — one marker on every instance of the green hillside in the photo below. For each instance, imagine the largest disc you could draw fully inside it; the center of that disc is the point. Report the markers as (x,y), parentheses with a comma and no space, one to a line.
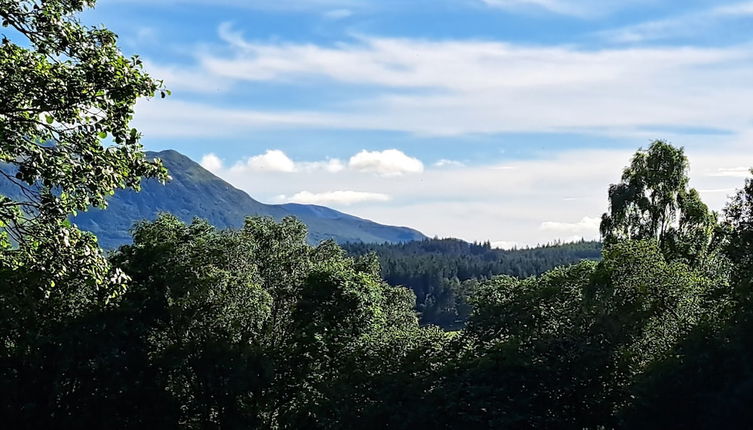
(443,273)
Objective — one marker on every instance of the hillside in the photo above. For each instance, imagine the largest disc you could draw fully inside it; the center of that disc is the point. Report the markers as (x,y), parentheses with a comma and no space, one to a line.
(444,272)
(196,192)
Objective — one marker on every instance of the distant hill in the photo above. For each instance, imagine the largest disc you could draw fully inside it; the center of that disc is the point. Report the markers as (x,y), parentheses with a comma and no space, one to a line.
(444,272)
(196,192)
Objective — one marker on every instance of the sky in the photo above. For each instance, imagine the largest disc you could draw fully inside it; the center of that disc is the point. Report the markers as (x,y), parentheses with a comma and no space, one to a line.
(498,120)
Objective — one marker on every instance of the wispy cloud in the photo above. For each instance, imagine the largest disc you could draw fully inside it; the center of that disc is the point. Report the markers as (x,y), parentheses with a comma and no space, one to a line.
(448,163)
(452,65)
(586,227)
(188,79)
(683,25)
(734,172)
(556,6)
(460,87)
(341,198)
(337,14)
(739,9)
(577,8)
(282,5)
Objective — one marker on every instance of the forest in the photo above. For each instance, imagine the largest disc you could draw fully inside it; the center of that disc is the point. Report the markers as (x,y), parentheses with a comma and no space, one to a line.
(444,272)
(196,327)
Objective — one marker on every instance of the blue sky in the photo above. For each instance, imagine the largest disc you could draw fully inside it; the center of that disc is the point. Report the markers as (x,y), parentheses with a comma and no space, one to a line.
(501,120)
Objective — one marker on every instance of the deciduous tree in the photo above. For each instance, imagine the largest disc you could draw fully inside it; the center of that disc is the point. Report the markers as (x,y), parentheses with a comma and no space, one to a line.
(66,102)
(653,201)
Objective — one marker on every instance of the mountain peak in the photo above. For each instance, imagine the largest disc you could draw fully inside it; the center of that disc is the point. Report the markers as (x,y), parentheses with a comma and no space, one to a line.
(196,192)
(170,155)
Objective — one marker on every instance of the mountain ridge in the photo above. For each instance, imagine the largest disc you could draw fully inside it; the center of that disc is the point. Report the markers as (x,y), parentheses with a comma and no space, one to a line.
(195,192)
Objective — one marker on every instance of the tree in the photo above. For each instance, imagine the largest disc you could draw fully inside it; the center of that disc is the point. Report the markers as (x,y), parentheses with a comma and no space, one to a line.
(65,142)
(199,309)
(653,201)
(706,381)
(253,328)
(526,357)
(565,349)
(443,272)
(66,100)
(737,233)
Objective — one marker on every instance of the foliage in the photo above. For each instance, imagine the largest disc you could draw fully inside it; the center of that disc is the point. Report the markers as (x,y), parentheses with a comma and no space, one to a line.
(444,272)
(737,236)
(225,328)
(66,100)
(66,88)
(707,380)
(563,349)
(653,201)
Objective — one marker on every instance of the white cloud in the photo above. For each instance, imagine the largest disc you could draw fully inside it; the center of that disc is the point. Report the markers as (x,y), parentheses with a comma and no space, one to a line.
(577,8)
(332,165)
(280,5)
(273,160)
(556,6)
(587,227)
(734,172)
(343,198)
(738,9)
(448,163)
(175,118)
(390,162)
(211,162)
(684,25)
(410,63)
(726,191)
(465,87)
(504,244)
(186,79)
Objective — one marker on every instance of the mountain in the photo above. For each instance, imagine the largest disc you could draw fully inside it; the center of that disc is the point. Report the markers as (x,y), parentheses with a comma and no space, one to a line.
(323,221)
(196,192)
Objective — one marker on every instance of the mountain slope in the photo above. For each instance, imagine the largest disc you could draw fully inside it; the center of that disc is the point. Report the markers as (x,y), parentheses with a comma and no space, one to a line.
(322,221)
(195,192)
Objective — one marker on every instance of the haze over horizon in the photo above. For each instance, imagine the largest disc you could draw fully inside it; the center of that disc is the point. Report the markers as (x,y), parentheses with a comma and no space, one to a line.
(499,120)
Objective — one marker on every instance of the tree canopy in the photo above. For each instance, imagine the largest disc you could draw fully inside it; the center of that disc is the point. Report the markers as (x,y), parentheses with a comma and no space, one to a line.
(653,201)
(66,102)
